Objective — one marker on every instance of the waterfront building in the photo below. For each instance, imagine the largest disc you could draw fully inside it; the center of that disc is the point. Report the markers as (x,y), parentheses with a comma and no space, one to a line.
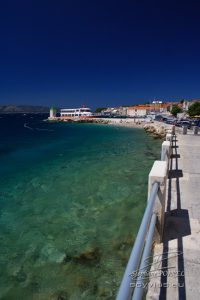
(122,111)
(82,112)
(107,112)
(163,107)
(138,110)
(159,107)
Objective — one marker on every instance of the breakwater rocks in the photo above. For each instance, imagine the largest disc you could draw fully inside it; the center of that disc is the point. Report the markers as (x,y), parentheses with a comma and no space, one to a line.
(158,131)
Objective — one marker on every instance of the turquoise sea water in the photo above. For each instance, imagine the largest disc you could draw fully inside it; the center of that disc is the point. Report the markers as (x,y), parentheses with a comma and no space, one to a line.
(71,200)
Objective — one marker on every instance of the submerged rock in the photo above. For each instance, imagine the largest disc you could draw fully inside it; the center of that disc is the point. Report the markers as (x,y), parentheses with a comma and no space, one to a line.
(60,295)
(50,253)
(105,292)
(67,258)
(20,276)
(122,248)
(90,255)
(127,242)
(82,282)
(34,286)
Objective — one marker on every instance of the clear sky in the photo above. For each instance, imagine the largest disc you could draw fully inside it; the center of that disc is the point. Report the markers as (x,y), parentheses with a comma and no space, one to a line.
(98,53)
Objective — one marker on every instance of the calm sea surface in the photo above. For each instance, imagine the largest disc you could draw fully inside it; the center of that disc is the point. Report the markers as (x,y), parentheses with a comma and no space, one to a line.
(71,200)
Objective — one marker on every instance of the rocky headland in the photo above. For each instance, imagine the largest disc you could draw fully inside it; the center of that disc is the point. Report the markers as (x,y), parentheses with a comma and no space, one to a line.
(157,130)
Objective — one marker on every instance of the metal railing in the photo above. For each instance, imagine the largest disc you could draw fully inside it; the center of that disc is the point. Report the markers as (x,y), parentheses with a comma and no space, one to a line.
(138,291)
(144,233)
(132,283)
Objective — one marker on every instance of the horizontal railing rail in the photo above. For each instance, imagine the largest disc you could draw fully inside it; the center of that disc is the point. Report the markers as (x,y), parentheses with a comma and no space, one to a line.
(138,291)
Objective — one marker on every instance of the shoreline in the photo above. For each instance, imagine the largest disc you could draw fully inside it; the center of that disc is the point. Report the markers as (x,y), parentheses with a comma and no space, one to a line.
(154,128)
(128,122)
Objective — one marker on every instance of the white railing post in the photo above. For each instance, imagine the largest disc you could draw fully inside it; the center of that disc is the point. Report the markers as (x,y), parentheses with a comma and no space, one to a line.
(196,129)
(184,129)
(166,152)
(173,129)
(169,137)
(166,148)
(159,174)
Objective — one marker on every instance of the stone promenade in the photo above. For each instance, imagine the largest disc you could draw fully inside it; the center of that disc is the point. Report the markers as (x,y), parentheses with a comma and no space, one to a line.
(180,250)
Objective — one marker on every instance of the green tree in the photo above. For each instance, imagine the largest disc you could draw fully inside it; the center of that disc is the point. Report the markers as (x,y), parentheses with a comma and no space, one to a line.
(175,110)
(168,108)
(194,109)
(99,109)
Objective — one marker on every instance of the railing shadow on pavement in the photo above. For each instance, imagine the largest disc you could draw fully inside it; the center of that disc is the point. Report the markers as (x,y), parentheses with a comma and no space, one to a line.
(176,226)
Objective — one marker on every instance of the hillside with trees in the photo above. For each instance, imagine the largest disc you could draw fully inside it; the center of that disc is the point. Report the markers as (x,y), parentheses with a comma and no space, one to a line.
(4,109)
(194,109)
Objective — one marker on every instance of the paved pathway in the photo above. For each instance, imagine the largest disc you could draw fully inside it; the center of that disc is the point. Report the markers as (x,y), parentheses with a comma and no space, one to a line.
(180,250)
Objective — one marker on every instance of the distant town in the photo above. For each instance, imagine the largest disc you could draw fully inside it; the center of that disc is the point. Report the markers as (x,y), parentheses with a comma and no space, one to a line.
(181,109)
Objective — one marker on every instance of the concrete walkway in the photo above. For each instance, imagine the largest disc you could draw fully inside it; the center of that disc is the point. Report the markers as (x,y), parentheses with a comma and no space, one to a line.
(179,254)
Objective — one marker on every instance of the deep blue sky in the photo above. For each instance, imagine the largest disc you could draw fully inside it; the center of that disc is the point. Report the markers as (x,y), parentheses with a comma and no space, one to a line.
(98,53)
